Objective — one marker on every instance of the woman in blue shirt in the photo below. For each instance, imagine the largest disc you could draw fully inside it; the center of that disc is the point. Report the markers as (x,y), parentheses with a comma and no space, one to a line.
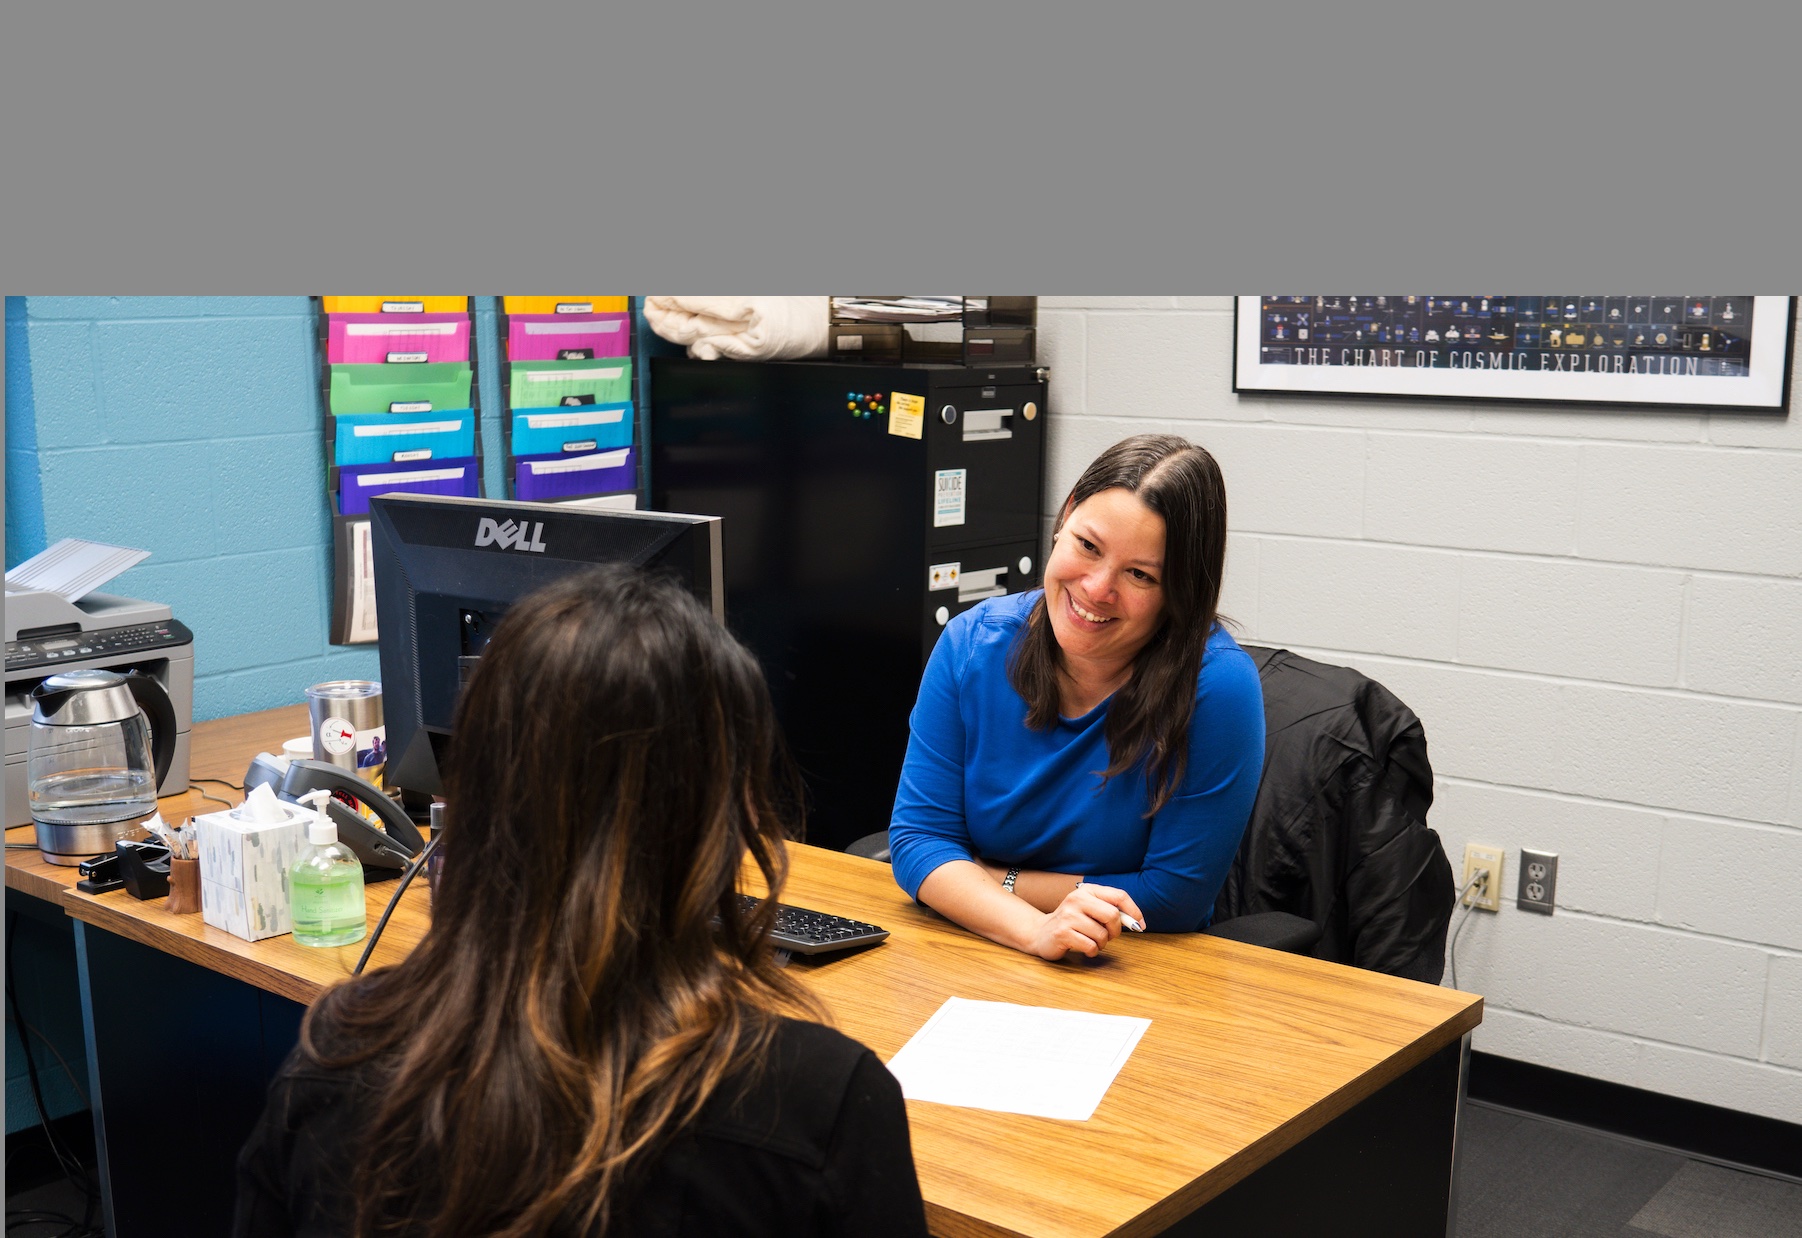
(1084,757)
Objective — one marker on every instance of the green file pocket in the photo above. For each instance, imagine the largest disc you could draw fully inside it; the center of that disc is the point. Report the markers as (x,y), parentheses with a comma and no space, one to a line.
(550,384)
(401,388)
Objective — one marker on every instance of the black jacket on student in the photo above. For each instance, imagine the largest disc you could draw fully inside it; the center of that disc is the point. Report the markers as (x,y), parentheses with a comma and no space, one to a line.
(814,1143)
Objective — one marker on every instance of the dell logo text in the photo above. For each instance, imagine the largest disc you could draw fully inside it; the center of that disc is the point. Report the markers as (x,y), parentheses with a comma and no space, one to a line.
(519,535)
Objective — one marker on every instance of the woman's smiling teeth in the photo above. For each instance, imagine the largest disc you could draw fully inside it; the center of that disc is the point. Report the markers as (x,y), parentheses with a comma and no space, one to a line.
(1088,615)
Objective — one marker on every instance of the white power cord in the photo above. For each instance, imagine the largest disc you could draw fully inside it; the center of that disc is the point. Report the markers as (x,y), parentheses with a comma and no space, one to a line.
(1477,878)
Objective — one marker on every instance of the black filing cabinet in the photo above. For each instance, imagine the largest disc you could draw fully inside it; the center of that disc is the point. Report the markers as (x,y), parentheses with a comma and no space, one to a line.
(849,543)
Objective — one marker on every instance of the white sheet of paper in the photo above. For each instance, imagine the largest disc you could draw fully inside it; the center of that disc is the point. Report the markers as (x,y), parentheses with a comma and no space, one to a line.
(1034,1060)
(73,568)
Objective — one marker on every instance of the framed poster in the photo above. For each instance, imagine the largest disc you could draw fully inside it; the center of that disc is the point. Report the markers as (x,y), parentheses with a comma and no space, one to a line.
(1708,352)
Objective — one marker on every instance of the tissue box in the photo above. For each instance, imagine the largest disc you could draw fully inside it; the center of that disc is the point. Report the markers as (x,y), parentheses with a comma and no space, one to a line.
(244,871)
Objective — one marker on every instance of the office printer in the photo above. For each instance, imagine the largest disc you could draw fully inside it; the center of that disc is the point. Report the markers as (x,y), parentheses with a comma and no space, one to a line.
(46,635)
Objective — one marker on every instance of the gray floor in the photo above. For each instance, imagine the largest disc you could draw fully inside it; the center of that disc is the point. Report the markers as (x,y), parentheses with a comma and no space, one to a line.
(1525,1177)
(1519,1177)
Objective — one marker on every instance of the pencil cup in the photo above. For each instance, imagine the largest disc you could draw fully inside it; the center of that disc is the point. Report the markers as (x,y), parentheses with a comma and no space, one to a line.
(184,887)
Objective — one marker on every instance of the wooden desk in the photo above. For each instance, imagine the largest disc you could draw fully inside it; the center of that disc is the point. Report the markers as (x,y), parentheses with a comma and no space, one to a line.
(1269,1088)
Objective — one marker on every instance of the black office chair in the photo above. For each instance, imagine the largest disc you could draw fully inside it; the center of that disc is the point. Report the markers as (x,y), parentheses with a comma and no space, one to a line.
(1337,860)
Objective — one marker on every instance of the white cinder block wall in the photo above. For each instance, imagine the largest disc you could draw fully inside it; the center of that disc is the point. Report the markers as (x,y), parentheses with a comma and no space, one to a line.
(1598,617)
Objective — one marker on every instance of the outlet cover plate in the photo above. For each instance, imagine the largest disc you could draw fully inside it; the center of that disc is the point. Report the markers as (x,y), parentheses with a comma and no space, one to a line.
(1538,889)
(1476,856)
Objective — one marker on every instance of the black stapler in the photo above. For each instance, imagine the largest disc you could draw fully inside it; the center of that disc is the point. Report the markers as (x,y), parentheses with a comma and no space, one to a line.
(382,854)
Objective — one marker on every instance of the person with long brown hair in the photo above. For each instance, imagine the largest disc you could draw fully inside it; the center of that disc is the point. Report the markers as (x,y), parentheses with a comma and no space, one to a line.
(592,1038)
(1084,757)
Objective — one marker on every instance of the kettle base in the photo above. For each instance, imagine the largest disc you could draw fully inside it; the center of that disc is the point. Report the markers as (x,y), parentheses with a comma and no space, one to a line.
(69,845)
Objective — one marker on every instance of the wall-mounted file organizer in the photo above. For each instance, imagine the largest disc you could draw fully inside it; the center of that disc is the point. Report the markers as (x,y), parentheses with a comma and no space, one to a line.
(573,429)
(568,337)
(399,438)
(565,305)
(402,398)
(394,305)
(547,384)
(391,339)
(356,484)
(569,477)
(567,431)
(425,387)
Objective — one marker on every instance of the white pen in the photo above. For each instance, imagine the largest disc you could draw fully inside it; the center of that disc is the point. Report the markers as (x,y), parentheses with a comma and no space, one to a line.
(1127,922)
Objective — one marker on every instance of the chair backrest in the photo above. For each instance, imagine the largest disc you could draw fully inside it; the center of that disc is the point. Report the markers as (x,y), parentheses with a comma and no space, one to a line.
(1339,832)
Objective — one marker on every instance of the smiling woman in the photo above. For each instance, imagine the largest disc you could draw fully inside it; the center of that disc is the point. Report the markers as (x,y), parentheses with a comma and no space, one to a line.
(1085,758)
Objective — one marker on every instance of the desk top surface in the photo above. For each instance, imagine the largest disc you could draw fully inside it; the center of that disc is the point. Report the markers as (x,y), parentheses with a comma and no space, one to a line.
(1249,1051)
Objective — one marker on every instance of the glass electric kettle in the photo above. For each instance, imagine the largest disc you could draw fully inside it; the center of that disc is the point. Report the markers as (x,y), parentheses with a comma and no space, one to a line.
(101,744)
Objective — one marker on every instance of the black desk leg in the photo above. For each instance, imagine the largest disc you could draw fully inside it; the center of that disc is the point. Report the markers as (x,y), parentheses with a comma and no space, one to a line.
(1381,1170)
(178,1060)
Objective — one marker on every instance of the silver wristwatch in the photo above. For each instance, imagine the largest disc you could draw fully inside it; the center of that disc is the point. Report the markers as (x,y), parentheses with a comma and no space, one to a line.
(1007,882)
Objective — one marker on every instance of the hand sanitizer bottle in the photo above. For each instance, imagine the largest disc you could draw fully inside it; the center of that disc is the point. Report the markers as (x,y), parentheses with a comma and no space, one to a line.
(326,884)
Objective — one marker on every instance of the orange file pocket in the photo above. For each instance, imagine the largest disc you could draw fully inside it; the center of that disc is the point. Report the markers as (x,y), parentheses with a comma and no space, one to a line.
(566,305)
(395,305)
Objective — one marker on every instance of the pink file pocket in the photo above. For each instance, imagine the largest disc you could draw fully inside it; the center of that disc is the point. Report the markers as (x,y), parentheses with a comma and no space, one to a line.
(374,339)
(567,477)
(568,337)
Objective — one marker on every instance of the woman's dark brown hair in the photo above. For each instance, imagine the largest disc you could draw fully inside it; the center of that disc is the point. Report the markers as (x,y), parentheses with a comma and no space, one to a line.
(1148,721)
(588,979)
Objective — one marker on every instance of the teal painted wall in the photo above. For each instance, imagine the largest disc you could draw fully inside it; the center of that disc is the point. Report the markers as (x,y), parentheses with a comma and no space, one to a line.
(191,427)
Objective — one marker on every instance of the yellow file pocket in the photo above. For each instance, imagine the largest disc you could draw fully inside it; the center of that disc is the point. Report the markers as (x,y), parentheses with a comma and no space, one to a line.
(549,384)
(564,305)
(395,305)
(423,388)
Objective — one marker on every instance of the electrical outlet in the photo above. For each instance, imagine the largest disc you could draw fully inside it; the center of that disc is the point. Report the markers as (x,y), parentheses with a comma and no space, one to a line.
(1488,894)
(1538,881)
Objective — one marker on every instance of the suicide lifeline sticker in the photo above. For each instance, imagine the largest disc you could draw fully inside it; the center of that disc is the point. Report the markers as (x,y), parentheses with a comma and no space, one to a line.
(948,497)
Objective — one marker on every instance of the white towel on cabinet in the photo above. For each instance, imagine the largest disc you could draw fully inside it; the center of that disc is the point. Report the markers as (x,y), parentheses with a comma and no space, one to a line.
(742,328)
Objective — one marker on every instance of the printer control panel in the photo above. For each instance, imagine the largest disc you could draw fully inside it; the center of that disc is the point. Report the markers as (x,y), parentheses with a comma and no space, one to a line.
(111,643)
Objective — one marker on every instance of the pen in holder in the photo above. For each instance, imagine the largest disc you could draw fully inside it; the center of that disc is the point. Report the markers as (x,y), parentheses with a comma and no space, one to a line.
(184,866)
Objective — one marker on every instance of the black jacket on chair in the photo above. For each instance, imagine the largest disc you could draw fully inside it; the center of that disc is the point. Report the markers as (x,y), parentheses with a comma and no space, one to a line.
(1339,833)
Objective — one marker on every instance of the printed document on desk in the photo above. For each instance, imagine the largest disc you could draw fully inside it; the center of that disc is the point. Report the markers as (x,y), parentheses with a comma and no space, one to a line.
(1034,1060)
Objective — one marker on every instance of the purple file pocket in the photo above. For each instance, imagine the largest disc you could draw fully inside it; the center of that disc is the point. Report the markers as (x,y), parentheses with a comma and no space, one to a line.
(374,339)
(568,337)
(568,477)
(358,483)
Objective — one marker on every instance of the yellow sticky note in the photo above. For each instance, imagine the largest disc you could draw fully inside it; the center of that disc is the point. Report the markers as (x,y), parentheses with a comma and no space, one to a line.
(907,415)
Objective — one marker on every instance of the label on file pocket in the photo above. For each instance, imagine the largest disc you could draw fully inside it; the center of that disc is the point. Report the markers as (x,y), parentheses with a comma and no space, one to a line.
(570,401)
(410,406)
(401,457)
(397,358)
(403,307)
(408,427)
(587,444)
(575,354)
(575,307)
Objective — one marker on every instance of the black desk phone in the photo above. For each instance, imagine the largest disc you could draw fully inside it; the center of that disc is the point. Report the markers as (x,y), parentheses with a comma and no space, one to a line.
(384,852)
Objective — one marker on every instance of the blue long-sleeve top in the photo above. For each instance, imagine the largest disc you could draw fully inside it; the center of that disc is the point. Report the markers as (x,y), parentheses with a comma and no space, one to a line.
(978,783)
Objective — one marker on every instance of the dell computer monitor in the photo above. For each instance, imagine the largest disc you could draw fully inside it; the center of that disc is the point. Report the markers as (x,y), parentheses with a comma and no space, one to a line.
(447,569)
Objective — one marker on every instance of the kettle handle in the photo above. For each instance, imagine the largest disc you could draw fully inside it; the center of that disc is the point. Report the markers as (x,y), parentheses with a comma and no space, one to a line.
(155,703)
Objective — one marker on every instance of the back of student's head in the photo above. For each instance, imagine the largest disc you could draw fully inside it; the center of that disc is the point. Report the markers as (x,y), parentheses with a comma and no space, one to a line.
(588,978)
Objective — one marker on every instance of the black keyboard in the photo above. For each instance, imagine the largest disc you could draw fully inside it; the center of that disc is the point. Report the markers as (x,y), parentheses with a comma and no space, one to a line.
(815,932)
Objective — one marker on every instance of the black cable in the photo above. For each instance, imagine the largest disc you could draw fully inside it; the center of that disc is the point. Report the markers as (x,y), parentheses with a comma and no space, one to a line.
(66,1161)
(221,782)
(406,879)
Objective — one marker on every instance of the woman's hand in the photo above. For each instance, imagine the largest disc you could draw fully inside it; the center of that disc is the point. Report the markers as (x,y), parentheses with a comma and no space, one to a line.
(1088,918)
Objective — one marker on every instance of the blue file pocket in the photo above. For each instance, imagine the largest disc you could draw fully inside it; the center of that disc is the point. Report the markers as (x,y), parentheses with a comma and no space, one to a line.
(393,438)
(579,428)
